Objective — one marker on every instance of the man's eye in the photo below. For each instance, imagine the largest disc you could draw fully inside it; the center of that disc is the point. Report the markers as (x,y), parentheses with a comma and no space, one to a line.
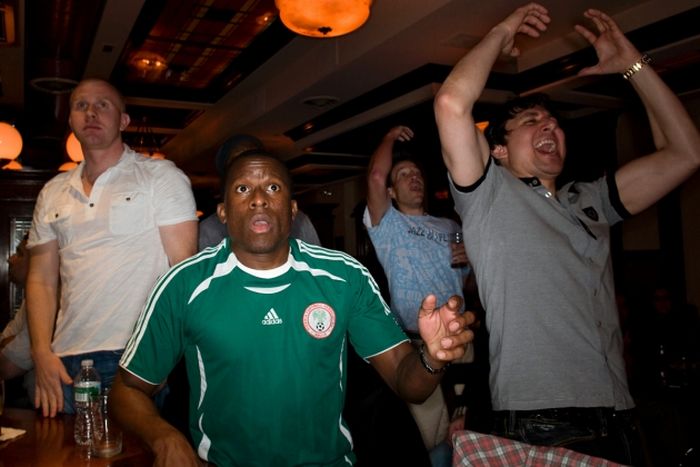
(80,106)
(274,187)
(241,189)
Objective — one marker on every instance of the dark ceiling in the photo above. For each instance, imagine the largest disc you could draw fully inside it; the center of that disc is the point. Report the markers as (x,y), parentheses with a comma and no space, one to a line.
(195,72)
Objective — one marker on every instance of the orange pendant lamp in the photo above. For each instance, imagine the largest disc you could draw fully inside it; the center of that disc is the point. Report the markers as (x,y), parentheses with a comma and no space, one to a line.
(10,142)
(10,146)
(75,152)
(323,18)
(73,148)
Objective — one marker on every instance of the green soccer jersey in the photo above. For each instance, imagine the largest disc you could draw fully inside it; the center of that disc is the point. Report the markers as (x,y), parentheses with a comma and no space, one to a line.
(265,351)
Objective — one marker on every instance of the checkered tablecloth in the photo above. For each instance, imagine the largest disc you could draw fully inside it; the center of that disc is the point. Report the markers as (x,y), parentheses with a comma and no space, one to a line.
(473,449)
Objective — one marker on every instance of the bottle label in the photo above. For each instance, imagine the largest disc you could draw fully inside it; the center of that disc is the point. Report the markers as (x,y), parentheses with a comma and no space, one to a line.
(86,391)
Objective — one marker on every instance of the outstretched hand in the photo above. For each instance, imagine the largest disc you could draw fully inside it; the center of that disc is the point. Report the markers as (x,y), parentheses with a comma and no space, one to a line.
(443,329)
(531,20)
(615,52)
(401,133)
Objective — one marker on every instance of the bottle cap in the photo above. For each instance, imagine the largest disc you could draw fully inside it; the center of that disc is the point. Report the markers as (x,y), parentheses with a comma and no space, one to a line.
(87,362)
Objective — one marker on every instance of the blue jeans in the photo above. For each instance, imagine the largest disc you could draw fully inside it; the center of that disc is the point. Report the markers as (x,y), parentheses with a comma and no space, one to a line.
(441,455)
(106,363)
(599,432)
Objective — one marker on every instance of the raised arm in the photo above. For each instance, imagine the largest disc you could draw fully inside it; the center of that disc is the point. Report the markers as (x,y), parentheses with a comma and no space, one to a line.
(42,306)
(378,199)
(644,181)
(464,148)
(445,335)
(179,240)
(131,406)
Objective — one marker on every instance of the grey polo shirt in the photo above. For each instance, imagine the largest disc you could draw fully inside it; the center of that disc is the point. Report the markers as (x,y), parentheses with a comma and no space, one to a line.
(543,268)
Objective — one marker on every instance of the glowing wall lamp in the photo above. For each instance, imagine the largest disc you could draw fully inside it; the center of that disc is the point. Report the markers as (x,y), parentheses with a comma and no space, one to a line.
(13,165)
(10,142)
(7,24)
(73,148)
(66,166)
(10,146)
(323,18)
(75,152)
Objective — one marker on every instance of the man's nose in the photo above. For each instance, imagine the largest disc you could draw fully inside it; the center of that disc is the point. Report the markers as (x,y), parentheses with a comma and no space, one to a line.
(549,123)
(259,198)
(90,110)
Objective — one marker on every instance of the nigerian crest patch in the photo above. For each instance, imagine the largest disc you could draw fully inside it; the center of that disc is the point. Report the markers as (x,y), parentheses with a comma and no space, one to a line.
(319,320)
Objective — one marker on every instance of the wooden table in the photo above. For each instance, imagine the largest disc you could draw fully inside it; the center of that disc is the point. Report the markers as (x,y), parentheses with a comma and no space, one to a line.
(48,442)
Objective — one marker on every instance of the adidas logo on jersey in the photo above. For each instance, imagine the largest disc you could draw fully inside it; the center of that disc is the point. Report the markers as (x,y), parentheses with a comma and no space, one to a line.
(271,318)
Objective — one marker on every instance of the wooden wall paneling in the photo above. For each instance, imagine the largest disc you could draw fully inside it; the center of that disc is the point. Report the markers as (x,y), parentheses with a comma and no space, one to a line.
(18,193)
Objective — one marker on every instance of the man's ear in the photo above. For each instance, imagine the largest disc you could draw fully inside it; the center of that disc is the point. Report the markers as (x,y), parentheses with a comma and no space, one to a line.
(295,209)
(221,212)
(390,192)
(500,152)
(124,121)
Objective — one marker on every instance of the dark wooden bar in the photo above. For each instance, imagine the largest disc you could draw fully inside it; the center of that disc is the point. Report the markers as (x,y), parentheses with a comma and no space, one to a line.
(48,442)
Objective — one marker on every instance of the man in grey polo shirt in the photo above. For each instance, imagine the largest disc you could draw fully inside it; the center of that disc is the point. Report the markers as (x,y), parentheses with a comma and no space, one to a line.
(542,256)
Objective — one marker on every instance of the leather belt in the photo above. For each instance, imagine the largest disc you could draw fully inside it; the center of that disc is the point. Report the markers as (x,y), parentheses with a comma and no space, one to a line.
(562,413)
(599,418)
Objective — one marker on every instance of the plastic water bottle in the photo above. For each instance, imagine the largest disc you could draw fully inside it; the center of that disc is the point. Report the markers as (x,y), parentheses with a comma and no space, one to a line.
(86,392)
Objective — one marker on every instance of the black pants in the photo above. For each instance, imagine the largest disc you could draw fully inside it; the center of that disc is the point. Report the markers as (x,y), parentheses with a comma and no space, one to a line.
(596,431)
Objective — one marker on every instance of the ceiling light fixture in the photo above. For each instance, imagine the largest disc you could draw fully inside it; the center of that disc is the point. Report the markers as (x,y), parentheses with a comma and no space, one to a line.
(148,65)
(320,102)
(323,18)
(53,85)
(146,141)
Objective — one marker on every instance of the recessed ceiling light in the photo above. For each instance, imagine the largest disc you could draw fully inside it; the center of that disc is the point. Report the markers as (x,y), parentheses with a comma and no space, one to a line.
(53,84)
(320,102)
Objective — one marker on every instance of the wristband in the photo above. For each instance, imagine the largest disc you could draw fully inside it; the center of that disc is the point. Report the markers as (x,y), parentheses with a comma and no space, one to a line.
(636,66)
(426,365)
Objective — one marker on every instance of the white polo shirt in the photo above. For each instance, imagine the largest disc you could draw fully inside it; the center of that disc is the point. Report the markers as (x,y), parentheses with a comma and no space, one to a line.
(109,245)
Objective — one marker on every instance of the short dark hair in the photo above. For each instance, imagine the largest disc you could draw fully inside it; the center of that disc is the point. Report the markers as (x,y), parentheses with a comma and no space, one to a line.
(496,131)
(232,147)
(403,157)
(257,154)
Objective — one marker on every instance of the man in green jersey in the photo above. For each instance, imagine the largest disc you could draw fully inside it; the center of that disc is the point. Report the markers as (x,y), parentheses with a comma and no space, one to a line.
(263,322)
